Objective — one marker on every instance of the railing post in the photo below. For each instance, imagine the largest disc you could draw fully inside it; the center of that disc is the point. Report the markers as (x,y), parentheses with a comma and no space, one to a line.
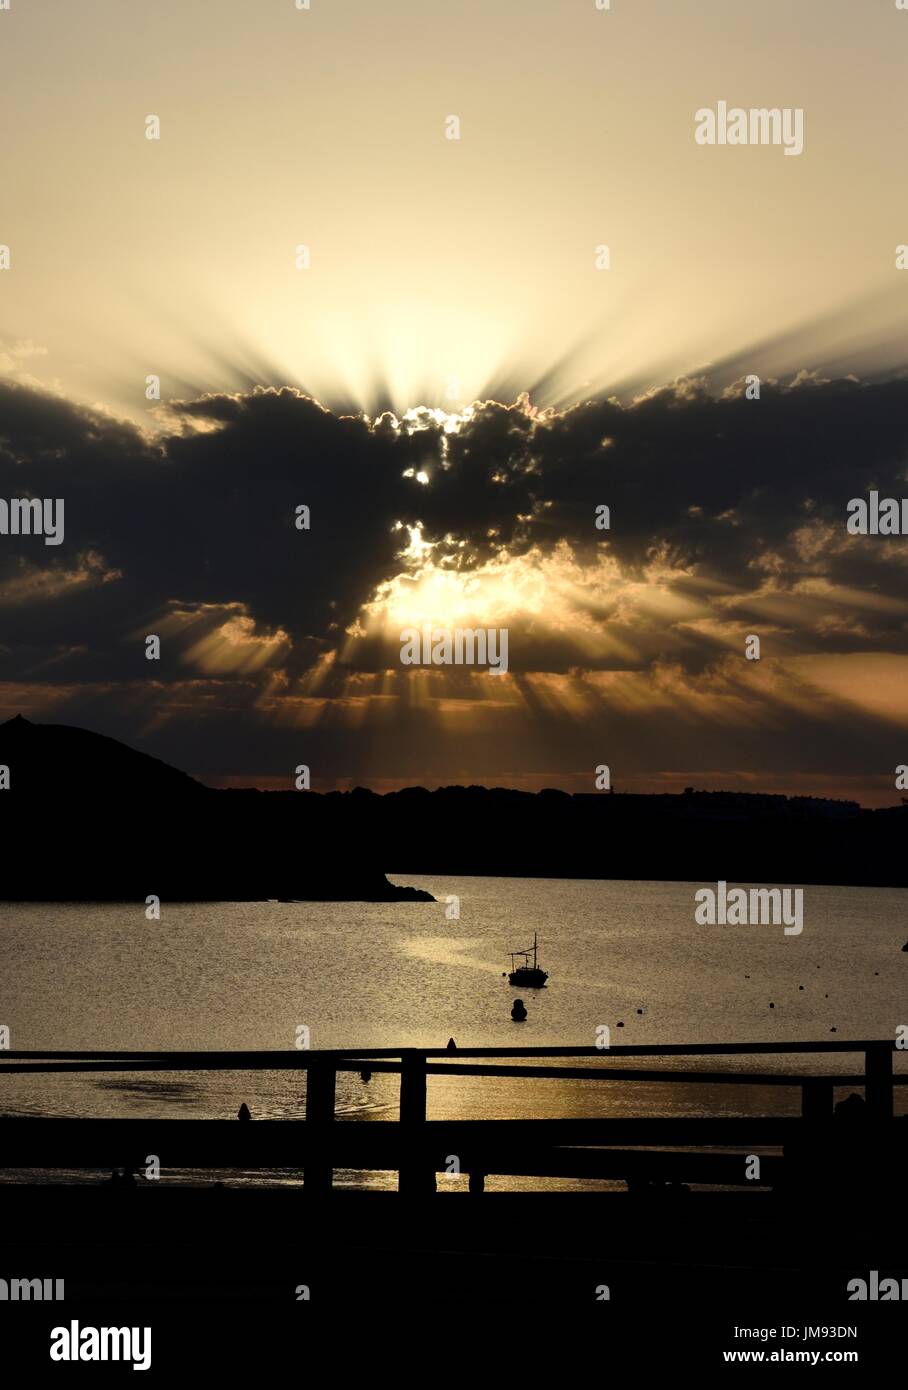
(816,1101)
(320,1090)
(878,1080)
(413,1179)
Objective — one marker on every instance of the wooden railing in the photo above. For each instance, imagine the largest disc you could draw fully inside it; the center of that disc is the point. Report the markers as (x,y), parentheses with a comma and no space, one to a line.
(418,1148)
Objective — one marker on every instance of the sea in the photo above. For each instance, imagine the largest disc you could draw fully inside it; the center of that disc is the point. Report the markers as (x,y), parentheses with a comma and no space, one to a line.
(626,957)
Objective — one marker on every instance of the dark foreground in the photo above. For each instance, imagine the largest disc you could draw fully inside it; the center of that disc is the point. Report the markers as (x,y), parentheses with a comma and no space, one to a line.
(662,1275)
(662,1279)
(740,1251)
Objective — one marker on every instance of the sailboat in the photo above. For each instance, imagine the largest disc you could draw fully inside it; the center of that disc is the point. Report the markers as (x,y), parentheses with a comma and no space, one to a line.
(529,975)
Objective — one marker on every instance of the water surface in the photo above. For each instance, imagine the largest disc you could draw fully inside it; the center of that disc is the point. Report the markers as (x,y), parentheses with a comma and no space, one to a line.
(246,975)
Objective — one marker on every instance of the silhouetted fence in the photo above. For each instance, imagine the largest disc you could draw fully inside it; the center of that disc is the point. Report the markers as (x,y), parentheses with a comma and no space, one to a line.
(660,1150)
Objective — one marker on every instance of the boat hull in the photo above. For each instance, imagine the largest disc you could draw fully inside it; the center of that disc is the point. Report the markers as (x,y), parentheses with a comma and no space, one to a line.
(528,978)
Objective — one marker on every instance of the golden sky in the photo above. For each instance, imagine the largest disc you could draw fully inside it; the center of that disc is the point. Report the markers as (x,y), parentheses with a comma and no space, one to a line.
(440,269)
(454,285)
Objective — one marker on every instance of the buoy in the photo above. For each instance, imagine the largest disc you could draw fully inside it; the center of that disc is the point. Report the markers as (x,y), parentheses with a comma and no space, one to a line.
(800,986)
(243,1112)
(452,1046)
(518,1012)
(639,1011)
(772,1006)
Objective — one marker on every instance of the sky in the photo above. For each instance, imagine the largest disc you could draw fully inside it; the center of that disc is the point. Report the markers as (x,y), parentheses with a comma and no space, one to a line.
(452,382)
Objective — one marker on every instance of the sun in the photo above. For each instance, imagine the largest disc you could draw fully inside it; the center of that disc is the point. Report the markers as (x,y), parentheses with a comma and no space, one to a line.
(437,594)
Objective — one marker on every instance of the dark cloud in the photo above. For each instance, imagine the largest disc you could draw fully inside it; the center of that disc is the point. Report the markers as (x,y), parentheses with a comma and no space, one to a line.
(193,528)
(205,515)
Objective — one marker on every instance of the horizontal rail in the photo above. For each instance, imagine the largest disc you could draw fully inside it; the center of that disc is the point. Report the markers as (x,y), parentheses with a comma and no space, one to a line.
(722,1078)
(289,1135)
(301,1057)
(552,1148)
(608,1073)
(603,1073)
(286,1143)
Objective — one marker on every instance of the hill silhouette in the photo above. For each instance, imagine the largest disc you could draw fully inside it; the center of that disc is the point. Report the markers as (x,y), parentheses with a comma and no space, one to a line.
(693,836)
(56,755)
(87,818)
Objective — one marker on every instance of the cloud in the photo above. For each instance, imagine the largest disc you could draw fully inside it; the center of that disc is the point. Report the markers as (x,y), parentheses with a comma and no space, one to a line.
(727,517)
